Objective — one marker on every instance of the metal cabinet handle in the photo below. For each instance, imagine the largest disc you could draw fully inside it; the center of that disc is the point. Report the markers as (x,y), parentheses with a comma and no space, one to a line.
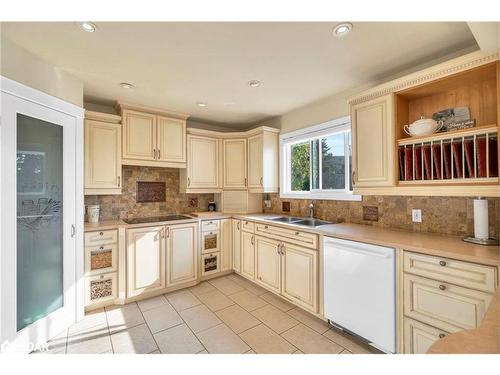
(282,249)
(297,233)
(154,153)
(278,249)
(252,240)
(167,235)
(261,181)
(238,225)
(441,335)
(101,233)
(265,227)
(442,287)
(101,248)
(119,181)
(353,178)
(73,230)
(189,181)
(158,153)
(245,181)
(442,263)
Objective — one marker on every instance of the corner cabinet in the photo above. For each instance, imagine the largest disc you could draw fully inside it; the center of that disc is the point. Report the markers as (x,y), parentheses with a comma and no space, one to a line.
(372,125)
(234,163)
(153,137)
(263,162)
(102,162)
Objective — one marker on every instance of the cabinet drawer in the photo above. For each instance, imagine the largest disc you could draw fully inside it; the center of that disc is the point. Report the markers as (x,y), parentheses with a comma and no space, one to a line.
(247,226)
(210,241)
(207,226)
(101,289)
(469,275)
(419,337)
(210,263)
(100,259)
(442,305)
(290,235)
(102,237)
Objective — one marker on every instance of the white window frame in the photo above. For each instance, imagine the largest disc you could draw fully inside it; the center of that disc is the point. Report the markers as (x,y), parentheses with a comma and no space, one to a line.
(313,132)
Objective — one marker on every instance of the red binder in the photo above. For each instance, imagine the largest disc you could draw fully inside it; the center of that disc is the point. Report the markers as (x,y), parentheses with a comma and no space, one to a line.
(417,157)
(457,159)
(401,154)
(436,155)
(427,161)
(408,164)
(481,156)
(469,157)
(447,160)
(493,157)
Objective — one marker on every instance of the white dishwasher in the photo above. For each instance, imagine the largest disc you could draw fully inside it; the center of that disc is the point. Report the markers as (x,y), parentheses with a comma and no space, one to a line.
(360,290)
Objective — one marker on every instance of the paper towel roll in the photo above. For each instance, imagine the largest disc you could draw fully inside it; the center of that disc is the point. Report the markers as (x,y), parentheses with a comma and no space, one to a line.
(481,219)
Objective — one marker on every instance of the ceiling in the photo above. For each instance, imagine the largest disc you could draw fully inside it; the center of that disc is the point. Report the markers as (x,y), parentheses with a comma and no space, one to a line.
(175,65)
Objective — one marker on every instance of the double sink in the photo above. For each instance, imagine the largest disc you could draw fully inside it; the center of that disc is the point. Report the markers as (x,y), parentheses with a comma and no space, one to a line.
(306,222)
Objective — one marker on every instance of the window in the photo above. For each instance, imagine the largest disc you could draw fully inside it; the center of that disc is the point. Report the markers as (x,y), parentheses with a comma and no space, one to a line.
(316,162)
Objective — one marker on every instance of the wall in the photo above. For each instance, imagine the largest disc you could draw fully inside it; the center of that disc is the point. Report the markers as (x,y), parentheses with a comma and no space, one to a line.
(125,205)
(450,216)
(26,68)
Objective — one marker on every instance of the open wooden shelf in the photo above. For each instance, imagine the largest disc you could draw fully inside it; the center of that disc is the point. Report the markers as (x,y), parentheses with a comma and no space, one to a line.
(480,130)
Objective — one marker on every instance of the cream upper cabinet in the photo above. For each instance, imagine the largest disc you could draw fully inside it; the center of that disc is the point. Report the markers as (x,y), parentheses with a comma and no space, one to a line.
(152,137)
(300,276)
(145,260)
(268,263)
(373,135)
(171,141)
(203,164)
(139,135)
(235,163)
(182,254)
(226,245)
(263,163)
(103,164)
(236,245)
(247,255)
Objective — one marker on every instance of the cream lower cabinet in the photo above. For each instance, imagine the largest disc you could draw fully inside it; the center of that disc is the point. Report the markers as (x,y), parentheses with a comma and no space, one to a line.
(247,255)
(182,254)
(300,276)
(102,163)
(268,263)
(145,260)
(419,337)
(226,245)
(372,125)
(234,163)
(236,224)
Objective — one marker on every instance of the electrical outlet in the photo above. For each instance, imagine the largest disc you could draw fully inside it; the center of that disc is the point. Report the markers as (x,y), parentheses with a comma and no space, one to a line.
(416,215)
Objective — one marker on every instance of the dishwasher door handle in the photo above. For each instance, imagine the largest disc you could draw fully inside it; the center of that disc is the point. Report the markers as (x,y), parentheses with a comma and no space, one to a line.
(371,253)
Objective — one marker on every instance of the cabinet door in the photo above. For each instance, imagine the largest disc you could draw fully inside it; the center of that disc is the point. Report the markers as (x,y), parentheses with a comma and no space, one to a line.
(203,162)
(237,245)
(145,260)
(235,163)
(181,254)
(139,135)
(255,159)
(226,244)
(373,142)
(247,255)
(103,164)
(171,142)
(419,337)
(268,263)
(300,276)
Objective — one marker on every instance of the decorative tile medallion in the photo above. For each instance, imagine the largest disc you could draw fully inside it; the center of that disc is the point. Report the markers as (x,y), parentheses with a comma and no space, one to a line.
(150,191)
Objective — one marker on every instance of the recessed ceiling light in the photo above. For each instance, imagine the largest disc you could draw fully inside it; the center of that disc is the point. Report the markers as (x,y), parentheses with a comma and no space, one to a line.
(127,85)
(254,83)
(88,26)
(342,29)
(201,104)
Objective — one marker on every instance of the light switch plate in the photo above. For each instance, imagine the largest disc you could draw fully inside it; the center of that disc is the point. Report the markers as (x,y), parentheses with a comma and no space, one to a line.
(416,215)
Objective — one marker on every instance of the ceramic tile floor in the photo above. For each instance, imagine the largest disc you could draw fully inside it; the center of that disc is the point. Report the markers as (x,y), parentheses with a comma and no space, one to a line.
(224,315)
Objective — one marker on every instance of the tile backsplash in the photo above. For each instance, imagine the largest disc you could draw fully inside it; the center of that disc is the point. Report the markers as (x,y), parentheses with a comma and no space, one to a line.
(125,205)
(444,215)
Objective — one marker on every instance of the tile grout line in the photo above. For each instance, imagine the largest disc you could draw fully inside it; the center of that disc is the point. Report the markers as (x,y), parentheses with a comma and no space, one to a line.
(109,332)
(149,329)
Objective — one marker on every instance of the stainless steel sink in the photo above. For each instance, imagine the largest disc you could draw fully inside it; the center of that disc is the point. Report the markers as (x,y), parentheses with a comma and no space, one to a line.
(312,222)
(286,219)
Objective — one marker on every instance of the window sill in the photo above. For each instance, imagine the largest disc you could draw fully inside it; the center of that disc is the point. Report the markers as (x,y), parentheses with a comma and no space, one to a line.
(323,196)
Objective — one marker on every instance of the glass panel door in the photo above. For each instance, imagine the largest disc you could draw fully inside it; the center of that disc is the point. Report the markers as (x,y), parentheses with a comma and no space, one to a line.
(39,219)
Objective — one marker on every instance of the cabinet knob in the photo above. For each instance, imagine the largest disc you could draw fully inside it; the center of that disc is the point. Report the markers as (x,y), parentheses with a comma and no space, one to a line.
(101,233)
(441,335)
(442,287)
(265,227)
(296,233)
(442,263)
(101,248)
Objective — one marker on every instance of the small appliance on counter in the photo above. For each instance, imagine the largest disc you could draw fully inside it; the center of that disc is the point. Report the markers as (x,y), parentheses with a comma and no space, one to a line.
(93,213)
(481,228)
(212,207)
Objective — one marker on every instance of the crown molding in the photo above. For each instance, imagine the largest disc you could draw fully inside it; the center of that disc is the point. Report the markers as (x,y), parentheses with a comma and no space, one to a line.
(460,64)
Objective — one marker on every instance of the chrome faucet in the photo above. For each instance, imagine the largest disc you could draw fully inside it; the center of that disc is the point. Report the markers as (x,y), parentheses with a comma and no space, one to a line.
(311,210)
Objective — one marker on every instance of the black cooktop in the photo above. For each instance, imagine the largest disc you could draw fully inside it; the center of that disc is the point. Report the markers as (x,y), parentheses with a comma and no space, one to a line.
(155,219)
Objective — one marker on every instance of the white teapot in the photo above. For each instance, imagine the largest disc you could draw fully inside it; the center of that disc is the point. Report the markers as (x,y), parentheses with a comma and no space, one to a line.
(423,127)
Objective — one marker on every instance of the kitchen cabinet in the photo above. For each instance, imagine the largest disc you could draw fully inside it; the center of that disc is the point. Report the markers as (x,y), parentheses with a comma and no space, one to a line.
(145,260)
(226,244)
(419,337)
(102,159)
(236,245)
(234,163)
(268,263)
(238,201)
(247,255)
(202,173)
(182,254)
(153,137)
(263,163)
(300,276)
(372,124)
